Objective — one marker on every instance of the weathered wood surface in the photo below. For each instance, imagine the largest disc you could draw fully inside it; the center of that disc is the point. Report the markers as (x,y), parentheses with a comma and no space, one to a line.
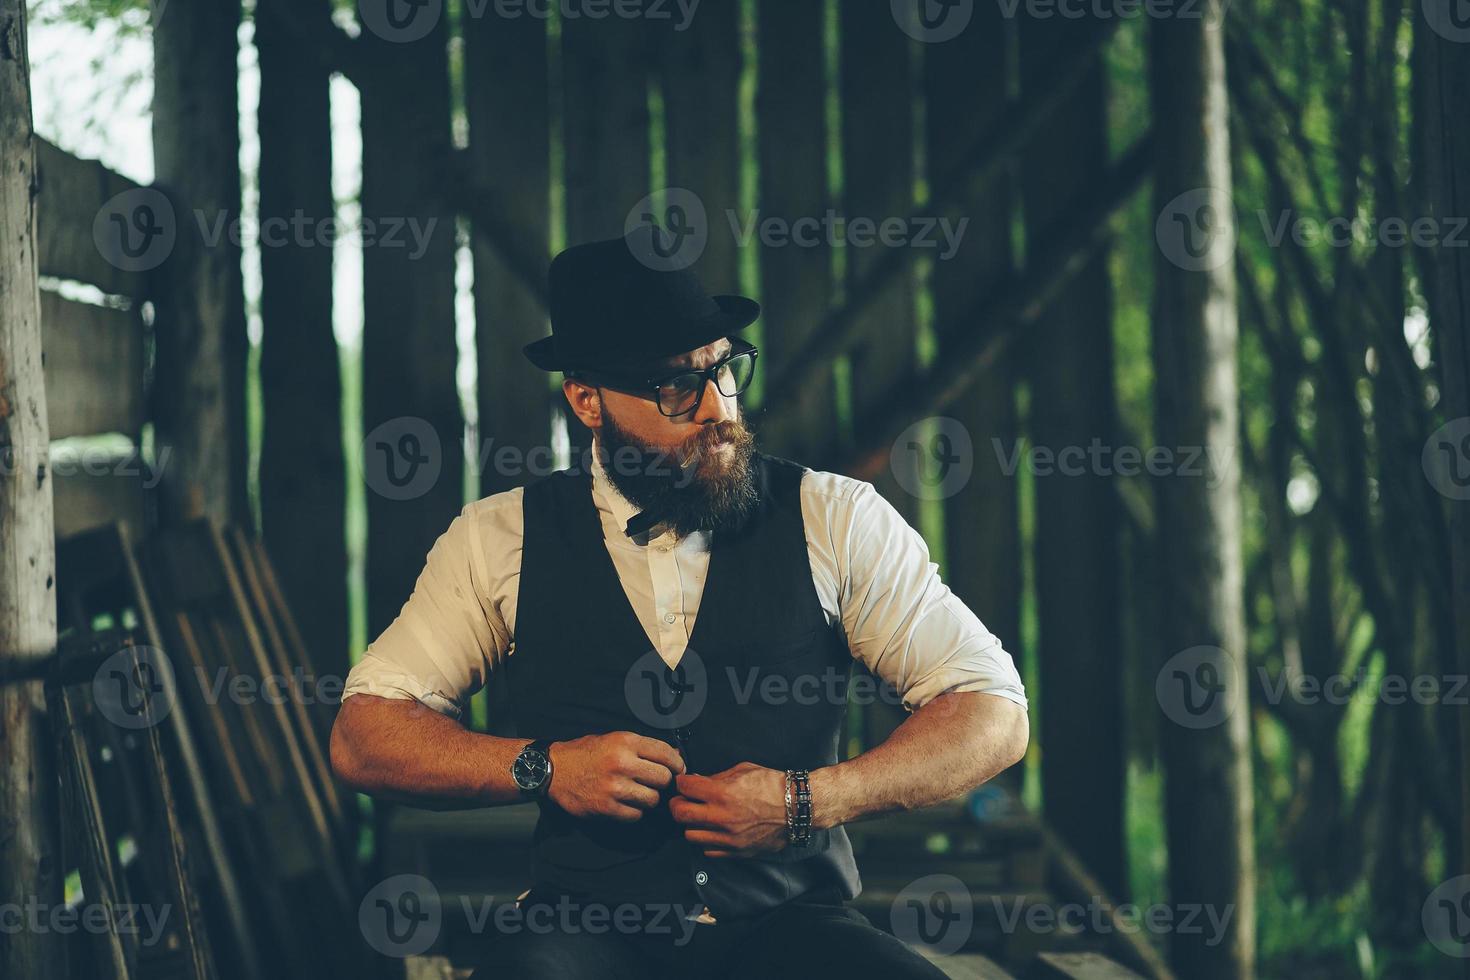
(94,359)
(29,861)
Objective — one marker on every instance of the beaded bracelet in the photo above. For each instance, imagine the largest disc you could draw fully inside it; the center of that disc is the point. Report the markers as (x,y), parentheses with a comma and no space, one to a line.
(798,807)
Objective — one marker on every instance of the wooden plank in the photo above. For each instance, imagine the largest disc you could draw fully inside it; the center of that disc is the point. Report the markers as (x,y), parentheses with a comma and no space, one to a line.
(303,474)
(965,966)
(796,283)
(94,363)
(283,665)
(1082,966)
(98,575)
(95,492)
(75,204)
(507,101)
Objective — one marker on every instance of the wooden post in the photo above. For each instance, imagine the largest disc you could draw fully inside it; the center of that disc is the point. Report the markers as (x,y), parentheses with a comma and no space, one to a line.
(30,868)
(1069,360)
(965,93)
(303,477)
(1444,145)
(1207,763)
(414,430)
(878,179)
(605,139)
(700,67)
(507,99)
(199,386)
(796,283)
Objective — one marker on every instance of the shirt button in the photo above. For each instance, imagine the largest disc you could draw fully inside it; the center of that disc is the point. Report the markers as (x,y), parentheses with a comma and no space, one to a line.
(700,877)
(668,617)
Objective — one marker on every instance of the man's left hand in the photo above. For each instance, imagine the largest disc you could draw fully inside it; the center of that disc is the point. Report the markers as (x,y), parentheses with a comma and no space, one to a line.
(740,812)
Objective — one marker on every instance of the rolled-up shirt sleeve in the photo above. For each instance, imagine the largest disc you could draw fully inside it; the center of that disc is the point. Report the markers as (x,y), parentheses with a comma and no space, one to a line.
(899,618)
(450,633)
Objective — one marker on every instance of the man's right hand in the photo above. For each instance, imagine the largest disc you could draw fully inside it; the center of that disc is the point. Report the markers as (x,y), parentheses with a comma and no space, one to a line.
(618,775)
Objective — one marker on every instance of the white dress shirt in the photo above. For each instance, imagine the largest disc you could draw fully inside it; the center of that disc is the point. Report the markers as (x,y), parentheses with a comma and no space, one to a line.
(871,571)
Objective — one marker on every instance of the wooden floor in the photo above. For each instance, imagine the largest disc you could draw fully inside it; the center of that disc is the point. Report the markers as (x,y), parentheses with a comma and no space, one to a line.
(479,857)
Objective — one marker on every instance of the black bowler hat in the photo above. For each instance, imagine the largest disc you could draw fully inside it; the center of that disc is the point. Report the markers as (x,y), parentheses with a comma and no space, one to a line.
(623,302)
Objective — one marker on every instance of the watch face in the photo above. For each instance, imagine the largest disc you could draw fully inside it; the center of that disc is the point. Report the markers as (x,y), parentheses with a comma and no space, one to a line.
(530,769)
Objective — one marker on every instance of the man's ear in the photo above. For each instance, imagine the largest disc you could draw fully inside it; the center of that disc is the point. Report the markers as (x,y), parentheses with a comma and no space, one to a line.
(584,402)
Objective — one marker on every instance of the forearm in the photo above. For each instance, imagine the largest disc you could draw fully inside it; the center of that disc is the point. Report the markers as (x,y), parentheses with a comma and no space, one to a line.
(402,751)
(952,744)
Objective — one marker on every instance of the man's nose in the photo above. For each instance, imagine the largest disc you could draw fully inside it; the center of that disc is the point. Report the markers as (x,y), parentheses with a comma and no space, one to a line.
(714,407)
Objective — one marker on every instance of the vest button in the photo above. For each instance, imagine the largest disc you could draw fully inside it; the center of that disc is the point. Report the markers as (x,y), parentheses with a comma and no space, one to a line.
(700,877)
(668,617)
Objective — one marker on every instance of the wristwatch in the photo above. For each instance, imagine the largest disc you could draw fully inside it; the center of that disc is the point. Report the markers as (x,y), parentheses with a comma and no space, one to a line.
(531,770)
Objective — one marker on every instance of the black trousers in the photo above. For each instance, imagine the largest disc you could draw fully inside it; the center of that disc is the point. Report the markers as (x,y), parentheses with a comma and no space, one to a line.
(560,936)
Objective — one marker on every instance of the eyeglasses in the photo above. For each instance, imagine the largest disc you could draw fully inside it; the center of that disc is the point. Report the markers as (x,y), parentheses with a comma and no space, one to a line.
(680,394)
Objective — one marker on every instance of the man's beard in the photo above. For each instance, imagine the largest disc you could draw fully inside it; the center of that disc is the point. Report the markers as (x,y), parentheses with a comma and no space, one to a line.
(695,487)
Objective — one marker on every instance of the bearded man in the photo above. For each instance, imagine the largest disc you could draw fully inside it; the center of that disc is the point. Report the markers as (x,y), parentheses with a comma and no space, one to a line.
(676,620)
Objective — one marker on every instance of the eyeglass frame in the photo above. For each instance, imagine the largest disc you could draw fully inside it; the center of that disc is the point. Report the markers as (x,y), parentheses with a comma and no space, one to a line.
(651,386)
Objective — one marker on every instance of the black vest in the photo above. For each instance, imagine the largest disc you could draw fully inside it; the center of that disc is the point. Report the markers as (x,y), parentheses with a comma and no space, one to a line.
(764,680)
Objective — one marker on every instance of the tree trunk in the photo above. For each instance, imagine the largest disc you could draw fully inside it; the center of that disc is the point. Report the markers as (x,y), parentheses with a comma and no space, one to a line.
(413,452)
(1207,758)
(1070,365)
(30,862)
(303,480)
(199,381)
(796,282)
(965,92)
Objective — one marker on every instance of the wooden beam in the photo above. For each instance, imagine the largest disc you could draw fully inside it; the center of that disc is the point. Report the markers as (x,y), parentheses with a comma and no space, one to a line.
(796,283)
(303,470)
(1445,147)
(30,860)
(1010,310)
(965,85)
(950,195)
(73,197)
(94,358)
(199,381)
(1068,361)
(508,96)
(411,411)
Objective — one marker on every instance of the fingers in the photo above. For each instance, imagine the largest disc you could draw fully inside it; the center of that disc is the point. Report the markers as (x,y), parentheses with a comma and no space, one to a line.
(697,787)
(692,814)
(637,795)
(650,774)
(661,752)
